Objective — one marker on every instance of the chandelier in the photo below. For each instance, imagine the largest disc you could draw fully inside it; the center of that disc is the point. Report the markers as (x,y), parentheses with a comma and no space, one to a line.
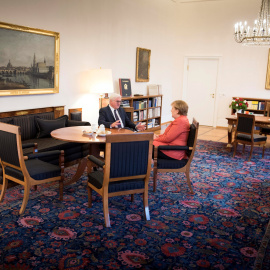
(260,33)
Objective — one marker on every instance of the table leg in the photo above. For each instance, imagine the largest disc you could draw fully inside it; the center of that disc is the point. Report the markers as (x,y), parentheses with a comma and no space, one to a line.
(79,172)
(230,128)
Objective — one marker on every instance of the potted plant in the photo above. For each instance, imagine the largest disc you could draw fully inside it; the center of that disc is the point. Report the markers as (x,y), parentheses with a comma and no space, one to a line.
(239,105)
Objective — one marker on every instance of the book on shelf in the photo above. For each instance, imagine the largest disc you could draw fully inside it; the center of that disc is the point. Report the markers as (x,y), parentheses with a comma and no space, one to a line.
(125,103)
(125,87)
(135,116)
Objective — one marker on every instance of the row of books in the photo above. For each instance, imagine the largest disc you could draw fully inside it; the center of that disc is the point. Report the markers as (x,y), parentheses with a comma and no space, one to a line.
(153,123)
(140,104)
(139,116)
(154,112)
(255,105)
(154,102)
(125,103)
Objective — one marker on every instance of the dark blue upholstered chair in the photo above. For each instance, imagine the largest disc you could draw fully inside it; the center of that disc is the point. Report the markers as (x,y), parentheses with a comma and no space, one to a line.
(29,170)
(75,114)
(244,134)
(126,169)
(166,165)
(266,130)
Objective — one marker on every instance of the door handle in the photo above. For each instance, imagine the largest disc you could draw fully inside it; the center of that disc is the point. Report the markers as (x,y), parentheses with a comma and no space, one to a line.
(213,95)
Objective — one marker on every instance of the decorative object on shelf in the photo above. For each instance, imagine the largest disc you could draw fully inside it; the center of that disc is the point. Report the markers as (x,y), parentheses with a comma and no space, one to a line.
(239,104)
(260,33)
(125,87)
(142,65)
(152,89)
(21,77)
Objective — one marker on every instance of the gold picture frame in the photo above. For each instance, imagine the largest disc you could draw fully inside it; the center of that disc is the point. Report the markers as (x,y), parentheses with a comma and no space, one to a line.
(29,63)
(142,65)
(267,82)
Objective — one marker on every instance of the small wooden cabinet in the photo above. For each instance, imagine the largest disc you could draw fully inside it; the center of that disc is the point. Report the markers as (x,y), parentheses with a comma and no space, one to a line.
(257,106)
(144,109)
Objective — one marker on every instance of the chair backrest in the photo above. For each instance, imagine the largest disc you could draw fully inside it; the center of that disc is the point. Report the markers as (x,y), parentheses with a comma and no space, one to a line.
(245,123)
(11,153)
(128,155)
(192,137)
(75,114)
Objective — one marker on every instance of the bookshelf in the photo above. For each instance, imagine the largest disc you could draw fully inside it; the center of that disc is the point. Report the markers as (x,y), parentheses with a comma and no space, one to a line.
(144,109)
(256,105)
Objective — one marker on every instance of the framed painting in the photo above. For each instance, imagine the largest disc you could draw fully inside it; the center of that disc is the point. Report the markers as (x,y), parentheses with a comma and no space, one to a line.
(267,82)
(29,60)
(142,65)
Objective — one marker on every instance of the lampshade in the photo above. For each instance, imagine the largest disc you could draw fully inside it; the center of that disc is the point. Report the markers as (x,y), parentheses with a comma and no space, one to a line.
(99,81)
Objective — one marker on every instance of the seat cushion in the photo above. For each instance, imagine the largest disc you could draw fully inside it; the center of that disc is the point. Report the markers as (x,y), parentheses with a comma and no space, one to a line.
(171,164)
(96,179)
(40,170)
(45,127)
(256,137)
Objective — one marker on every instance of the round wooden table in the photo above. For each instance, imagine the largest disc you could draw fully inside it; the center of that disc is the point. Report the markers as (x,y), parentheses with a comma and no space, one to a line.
(75,134)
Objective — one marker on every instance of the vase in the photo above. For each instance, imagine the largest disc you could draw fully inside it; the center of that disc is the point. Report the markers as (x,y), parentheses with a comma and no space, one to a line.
(239,111)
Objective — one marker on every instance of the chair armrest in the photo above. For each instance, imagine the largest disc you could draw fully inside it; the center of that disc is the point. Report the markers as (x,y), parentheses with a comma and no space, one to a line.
(28,145)
(72,123)
(45,154)
(174,147)
(96,161)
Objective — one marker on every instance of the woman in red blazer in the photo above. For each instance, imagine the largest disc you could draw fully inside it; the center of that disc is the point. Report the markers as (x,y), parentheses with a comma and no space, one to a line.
(176,133)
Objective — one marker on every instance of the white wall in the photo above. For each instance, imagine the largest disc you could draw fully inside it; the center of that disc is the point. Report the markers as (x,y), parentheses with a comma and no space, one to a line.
(105,33)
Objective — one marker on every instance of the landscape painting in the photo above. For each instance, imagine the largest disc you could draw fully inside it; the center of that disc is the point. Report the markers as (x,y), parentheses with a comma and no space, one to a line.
(29,61)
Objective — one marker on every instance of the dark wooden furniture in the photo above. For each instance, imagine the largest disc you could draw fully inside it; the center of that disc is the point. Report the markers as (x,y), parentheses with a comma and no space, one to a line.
(75,135)
(126,170)
(165,165)
(147,108)
(259,121)
(29,172)
(244,133)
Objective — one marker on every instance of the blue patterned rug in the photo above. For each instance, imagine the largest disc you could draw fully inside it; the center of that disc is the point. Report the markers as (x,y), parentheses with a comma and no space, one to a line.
(220,227)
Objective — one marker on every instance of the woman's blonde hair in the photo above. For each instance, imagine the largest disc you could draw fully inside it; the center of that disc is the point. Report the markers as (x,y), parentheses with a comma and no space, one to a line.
(181,106)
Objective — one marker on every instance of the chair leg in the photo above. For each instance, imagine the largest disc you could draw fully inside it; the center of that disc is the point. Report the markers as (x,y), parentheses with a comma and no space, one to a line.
(243,148)
(155,179)
(25,199)
(251,150)
(189,182)
(235,147)
(263,151)
(4,188)
(89,190)
(106,211)
(132,197)
(145,204)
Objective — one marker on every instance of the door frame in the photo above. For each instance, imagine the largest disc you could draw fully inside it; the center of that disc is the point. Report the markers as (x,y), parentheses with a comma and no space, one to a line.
(185,80)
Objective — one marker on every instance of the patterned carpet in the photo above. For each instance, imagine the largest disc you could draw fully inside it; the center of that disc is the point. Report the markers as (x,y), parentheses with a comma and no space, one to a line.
(222,226)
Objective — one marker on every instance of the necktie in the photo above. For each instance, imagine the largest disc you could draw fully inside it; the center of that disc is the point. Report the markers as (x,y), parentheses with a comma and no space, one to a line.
(116,118)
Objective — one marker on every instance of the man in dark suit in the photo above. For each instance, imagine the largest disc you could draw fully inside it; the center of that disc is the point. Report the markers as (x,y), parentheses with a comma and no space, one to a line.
(113,116)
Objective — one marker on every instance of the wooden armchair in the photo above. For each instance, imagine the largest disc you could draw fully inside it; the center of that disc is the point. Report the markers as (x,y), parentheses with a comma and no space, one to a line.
(126,169)
(165,165)
(26,171)
(244,134)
